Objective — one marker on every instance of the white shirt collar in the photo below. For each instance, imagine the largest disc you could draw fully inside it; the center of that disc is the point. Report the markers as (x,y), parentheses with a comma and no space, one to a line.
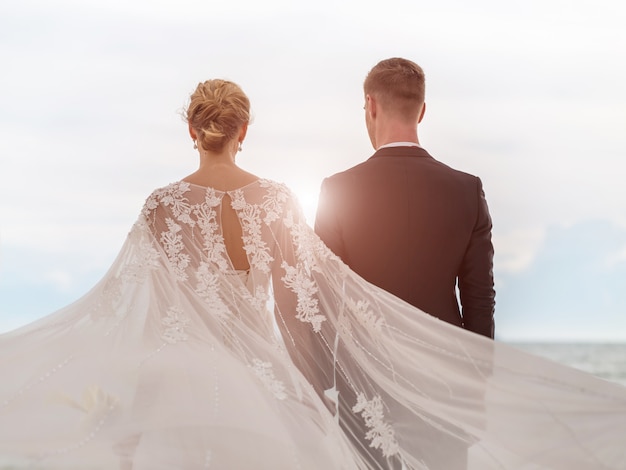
(399,144)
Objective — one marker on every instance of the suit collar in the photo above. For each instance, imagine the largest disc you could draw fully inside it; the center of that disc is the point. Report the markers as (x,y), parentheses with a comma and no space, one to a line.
(401,152)
(400,144)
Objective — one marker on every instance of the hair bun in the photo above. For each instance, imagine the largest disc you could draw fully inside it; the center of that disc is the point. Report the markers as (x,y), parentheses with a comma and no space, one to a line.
(216,111)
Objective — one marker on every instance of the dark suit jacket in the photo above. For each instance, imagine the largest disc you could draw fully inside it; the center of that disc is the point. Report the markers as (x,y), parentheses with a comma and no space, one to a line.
(415,227)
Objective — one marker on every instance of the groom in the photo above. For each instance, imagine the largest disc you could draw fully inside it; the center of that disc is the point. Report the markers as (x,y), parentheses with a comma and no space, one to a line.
(407,222)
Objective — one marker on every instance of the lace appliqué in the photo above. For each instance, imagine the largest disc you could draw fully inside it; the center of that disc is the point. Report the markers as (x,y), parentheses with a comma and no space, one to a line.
(175,321)
(380,433)
(274,200)
(213,241)
(305,289)
(365,316)
(258,299)
(265,373)
(171,195)
(172,242)
(146,260)
(209,289)
(109,298)
(309,246)
(250,217)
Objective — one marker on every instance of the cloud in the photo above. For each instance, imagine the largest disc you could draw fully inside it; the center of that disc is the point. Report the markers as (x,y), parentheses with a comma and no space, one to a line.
(516,251)
(569,291)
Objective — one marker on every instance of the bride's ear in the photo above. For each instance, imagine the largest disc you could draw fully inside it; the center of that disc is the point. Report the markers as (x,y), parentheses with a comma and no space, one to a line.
(192,133)
(243,132)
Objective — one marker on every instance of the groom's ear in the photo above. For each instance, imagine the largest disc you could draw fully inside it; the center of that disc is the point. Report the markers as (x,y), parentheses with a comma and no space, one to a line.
(422,112)
(370,105)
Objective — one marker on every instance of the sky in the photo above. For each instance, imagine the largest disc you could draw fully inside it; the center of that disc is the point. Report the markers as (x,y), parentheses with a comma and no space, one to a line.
(529,96)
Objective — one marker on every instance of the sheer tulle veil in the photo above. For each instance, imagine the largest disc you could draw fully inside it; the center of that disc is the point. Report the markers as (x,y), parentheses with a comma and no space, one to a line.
(176,360)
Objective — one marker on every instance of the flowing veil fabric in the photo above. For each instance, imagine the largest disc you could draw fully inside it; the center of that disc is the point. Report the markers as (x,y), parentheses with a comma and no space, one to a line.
(176,360)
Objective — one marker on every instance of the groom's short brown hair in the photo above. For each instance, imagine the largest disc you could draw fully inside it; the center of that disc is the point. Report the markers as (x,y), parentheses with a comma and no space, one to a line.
(399,84)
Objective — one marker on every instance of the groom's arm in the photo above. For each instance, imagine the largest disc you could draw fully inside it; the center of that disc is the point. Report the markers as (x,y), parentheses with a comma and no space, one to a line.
(476,285)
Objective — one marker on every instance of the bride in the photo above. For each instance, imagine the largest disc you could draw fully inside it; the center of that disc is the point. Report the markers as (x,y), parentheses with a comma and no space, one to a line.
(219,335)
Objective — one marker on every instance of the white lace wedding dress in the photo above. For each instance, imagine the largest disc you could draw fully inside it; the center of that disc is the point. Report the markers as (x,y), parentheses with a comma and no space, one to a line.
(176,361)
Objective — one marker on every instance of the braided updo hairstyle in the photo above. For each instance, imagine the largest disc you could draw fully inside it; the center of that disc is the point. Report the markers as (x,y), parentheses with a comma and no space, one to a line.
(216,111)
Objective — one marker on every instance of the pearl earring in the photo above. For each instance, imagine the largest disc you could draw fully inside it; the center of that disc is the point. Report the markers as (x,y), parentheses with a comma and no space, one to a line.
(239,149)
(195,144)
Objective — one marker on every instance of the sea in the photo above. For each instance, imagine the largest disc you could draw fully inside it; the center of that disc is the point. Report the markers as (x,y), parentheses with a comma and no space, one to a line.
(605,360)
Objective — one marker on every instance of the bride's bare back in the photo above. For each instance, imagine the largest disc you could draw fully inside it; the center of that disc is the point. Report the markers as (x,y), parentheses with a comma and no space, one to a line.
(227,177)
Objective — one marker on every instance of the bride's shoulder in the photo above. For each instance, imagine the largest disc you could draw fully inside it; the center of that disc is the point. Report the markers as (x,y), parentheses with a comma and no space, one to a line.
(276,190)
(272,185)
(166,194)
(171,188)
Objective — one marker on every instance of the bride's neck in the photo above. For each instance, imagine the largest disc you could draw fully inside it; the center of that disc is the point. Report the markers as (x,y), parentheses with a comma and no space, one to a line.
(224,157)
(222,160)
(219,170)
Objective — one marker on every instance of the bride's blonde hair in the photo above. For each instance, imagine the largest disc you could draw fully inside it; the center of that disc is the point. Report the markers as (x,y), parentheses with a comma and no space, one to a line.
(217,110)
